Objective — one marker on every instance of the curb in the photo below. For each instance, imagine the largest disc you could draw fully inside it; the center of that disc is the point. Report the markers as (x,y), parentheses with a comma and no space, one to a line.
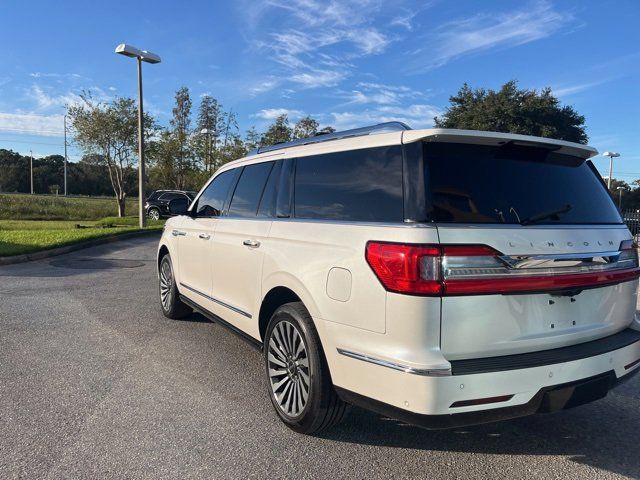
(28,257)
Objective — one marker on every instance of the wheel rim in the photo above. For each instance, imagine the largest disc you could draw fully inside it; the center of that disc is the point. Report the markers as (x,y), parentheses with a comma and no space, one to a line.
(166,279)
(155,215)
(288,365)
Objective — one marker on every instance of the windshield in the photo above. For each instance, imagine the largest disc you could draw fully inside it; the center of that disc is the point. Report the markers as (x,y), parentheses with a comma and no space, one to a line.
(514,185)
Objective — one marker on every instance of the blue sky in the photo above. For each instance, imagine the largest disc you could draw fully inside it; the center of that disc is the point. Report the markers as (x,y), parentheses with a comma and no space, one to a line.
(348,63)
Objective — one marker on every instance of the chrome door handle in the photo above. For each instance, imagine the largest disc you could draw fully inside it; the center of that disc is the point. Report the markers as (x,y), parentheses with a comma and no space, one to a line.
(251,243)
(204,236)
(176,233)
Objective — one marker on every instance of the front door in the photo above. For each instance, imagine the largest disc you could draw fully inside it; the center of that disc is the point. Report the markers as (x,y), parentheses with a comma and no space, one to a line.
(195,249)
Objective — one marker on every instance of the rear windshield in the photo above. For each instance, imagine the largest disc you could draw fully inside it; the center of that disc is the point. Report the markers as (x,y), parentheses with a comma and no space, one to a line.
(513,184)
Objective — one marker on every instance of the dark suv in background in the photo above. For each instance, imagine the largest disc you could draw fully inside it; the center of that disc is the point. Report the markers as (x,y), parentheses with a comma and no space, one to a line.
(157,205)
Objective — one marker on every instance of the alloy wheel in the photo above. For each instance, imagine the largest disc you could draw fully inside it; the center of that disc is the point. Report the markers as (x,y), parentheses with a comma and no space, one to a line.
(288,362)
(166,280)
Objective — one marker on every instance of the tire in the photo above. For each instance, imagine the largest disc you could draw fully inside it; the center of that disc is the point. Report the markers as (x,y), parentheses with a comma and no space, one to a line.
(290,376)
(154,214)
(172,306)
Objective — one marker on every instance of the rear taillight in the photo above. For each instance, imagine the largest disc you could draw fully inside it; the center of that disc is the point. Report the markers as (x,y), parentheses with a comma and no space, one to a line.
(446,270)
(406,268)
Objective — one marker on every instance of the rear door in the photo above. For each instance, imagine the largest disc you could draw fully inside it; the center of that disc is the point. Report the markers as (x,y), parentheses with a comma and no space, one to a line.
(535,253)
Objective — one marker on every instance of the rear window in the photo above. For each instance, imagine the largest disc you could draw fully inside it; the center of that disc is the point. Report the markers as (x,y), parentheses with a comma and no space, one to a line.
(357,185)
(513,184)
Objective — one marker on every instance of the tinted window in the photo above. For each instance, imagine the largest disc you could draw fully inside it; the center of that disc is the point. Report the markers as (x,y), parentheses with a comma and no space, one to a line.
(510,184)
(249,190)
(268,202)
(358,185)
(154,195)
(211,202)
(170,196)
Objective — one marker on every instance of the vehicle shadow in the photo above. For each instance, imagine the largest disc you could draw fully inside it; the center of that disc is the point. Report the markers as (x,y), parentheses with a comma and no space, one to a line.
(601,435)
(195,317)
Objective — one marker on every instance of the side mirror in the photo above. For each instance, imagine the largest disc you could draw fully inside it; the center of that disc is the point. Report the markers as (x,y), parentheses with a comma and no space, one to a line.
(178,206)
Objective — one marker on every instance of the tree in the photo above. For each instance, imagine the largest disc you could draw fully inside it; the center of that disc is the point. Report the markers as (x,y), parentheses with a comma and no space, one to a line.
(325,130)
(109,131)
(183,156)
(251,139)
(513,110)
(209,114)
(278,132)
(305,127)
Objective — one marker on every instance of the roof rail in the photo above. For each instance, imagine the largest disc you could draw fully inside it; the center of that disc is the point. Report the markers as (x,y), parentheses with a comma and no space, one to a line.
(325,137)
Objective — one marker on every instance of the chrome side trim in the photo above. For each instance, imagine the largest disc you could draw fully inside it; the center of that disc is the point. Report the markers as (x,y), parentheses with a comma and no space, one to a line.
(425,372)
(219,302)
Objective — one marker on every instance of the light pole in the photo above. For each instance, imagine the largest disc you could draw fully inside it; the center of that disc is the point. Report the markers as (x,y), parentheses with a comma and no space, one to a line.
(209,133)
(65,154)
(611,156)
(31,169)
(620,189)
(141,56)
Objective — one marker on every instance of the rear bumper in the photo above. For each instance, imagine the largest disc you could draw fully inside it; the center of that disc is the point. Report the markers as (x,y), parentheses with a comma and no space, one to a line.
(546,400)
(587,373)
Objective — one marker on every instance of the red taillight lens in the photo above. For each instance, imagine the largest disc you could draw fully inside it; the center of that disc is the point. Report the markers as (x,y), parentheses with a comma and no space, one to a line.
(404,268)
(445,270)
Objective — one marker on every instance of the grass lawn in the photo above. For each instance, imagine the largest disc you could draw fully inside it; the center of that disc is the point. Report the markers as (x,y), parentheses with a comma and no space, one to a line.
(26,236)
(52,207)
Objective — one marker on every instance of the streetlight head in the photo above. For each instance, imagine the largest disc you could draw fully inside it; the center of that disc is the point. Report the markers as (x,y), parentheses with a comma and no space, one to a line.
(131,51)
(620,188)
(128,50)
(611,154)
(150,57)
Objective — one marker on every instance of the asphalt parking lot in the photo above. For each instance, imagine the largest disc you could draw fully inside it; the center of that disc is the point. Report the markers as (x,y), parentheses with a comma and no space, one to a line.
(96,383)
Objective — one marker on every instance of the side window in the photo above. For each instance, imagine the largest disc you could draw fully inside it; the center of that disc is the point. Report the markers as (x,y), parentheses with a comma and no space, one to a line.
(246,196)
(285,187)
(169,196)
(211,202)
(357,185)
(268,203)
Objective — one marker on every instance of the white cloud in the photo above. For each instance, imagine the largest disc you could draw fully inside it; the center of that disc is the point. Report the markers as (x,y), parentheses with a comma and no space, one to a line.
(485,31)
(45,101)
(55,75)
(368,92)
(44,125)
(273,113)
(318,78)
(305,43)
(416,116)
(577,88)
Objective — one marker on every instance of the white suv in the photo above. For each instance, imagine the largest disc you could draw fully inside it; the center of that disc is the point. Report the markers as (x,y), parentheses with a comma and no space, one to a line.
(439,277)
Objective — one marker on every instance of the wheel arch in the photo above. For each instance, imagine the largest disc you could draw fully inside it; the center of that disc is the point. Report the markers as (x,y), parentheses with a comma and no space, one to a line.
(162,251)
(282,289)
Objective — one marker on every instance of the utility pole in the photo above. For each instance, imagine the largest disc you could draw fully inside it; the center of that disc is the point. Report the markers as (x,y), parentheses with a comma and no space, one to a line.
(65,155)
(31,169)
